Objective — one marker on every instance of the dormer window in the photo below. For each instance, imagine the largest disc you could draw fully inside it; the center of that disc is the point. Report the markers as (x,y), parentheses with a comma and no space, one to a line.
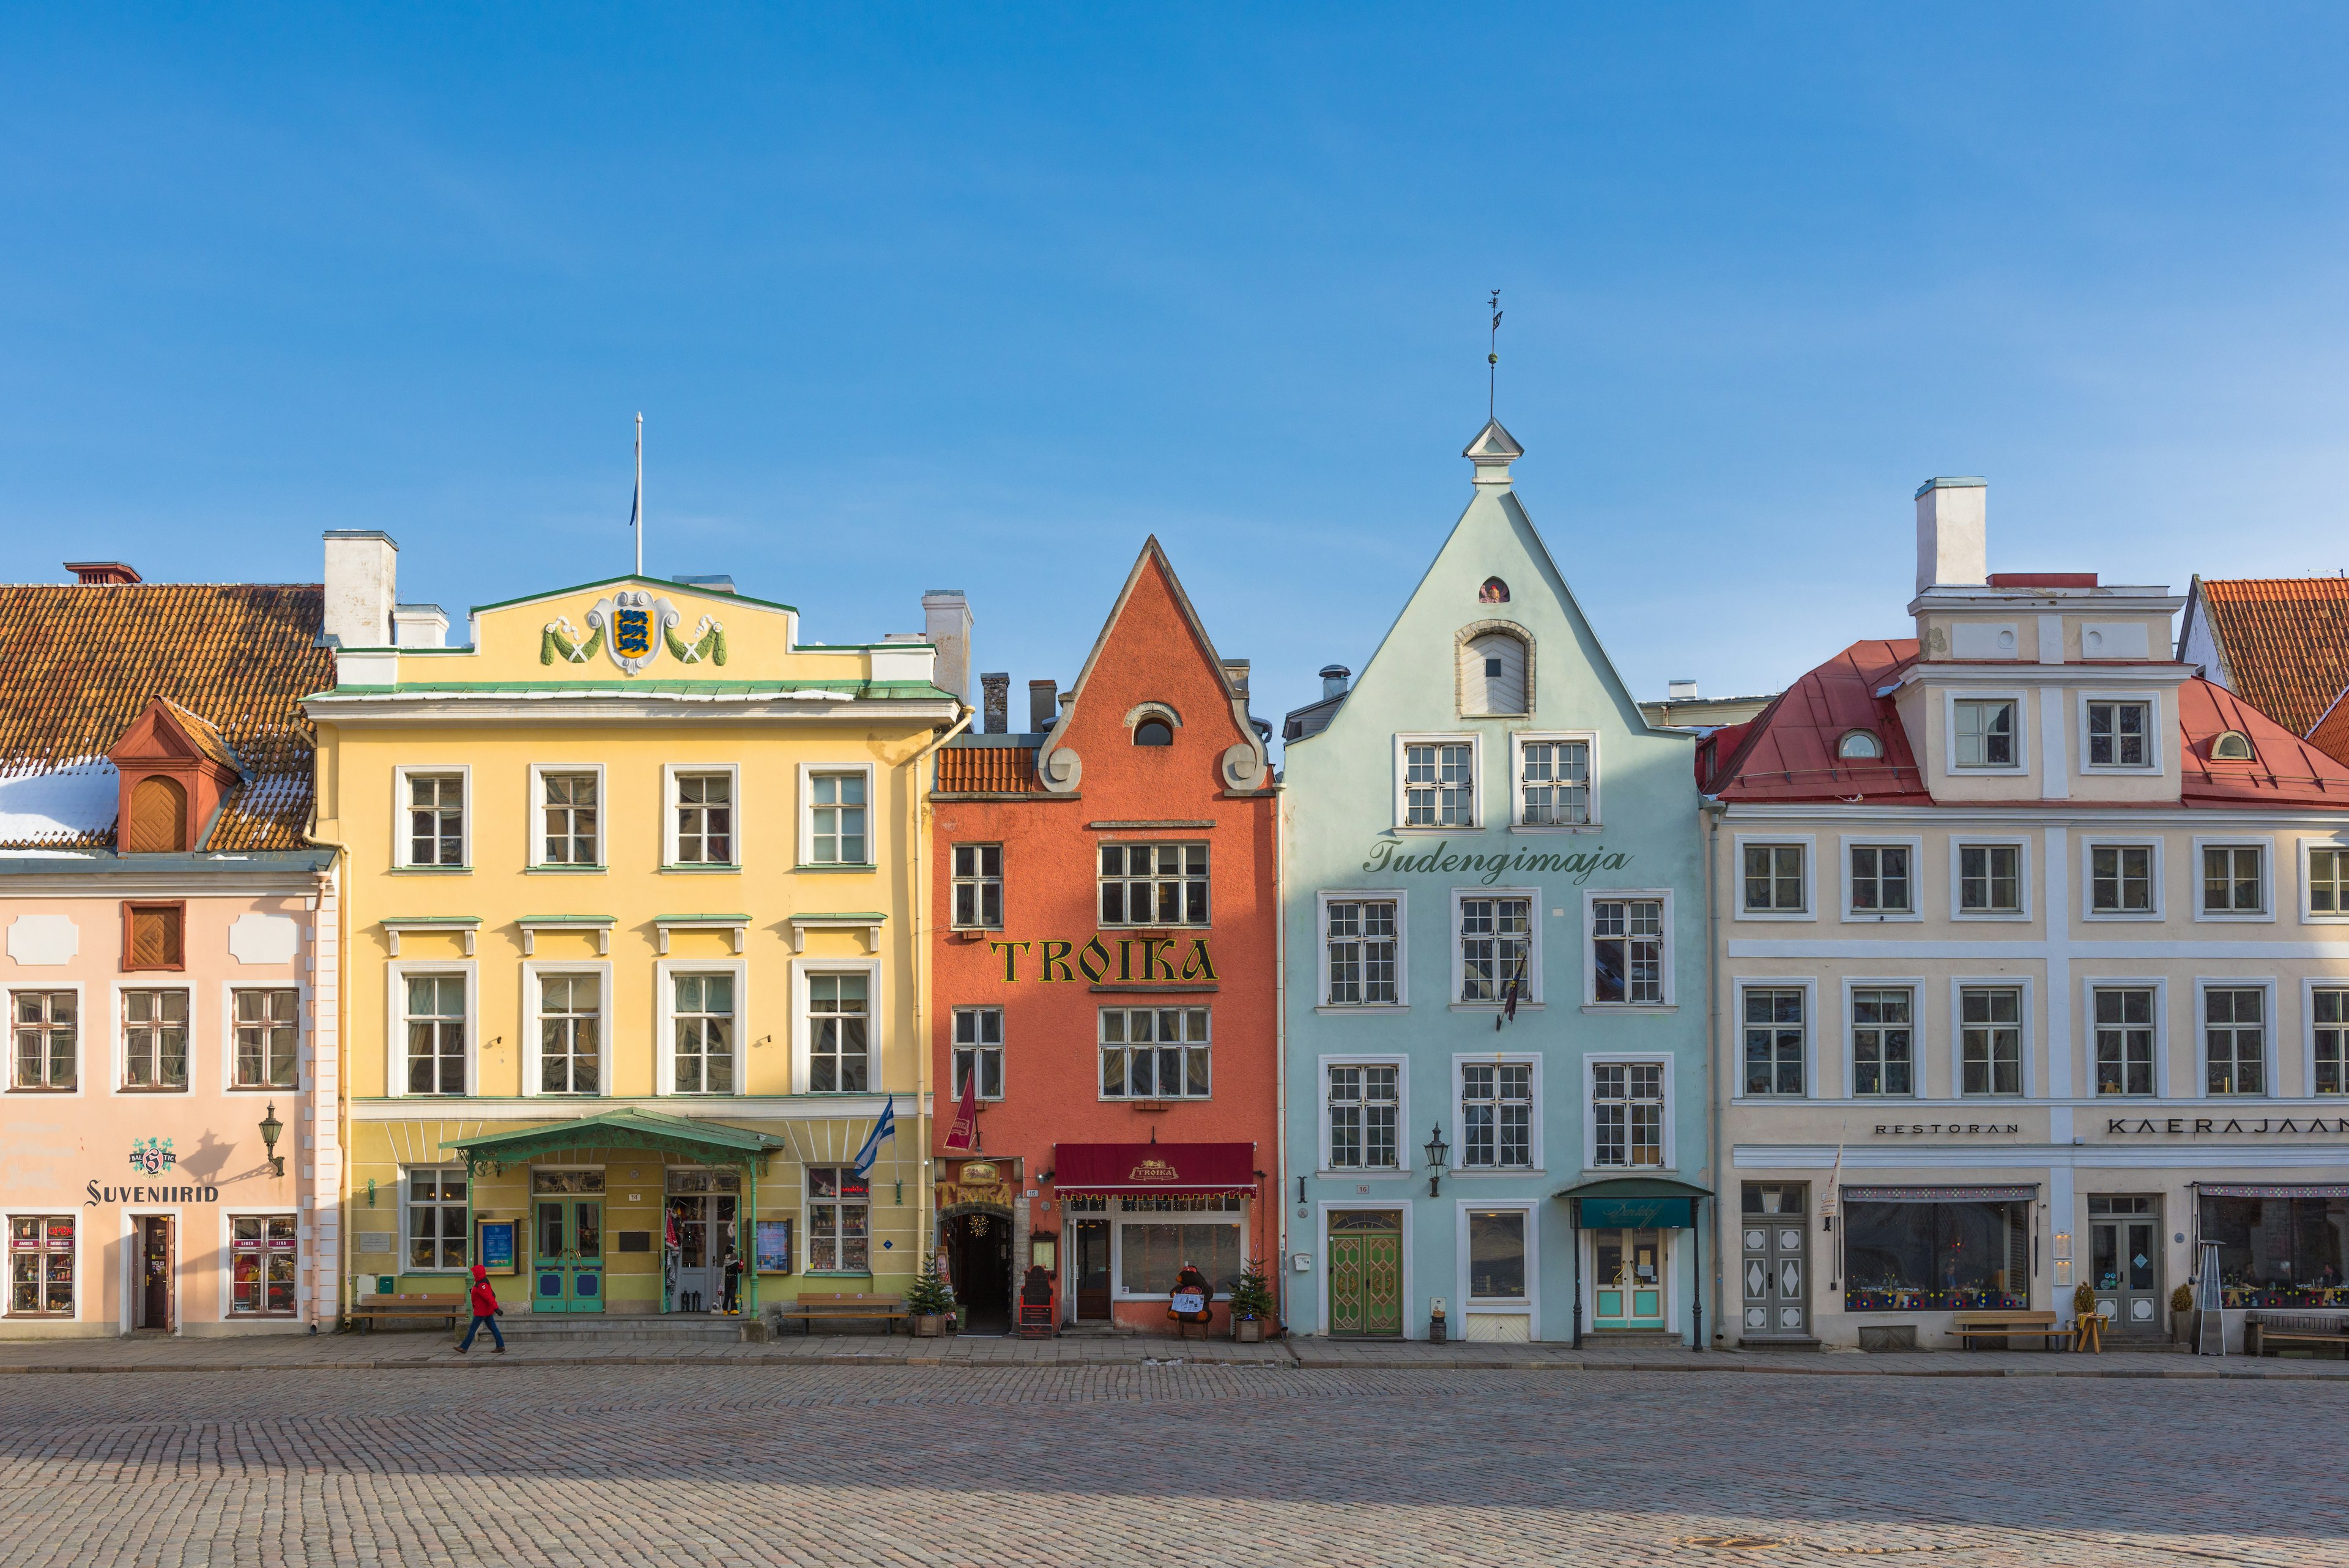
(1860,744)
(158,821)
(2232,746)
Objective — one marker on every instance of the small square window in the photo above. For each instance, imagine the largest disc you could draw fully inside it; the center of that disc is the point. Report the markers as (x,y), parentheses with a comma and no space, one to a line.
(1880,880)
(1985,733)
(2233,880)
(1773,879)
(1989,879)
(152,937)
(2120,879)
(2120,734)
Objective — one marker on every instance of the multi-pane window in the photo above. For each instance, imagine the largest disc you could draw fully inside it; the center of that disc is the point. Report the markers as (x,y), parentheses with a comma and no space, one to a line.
(2231,883)
(1627,1103)
(41,1265)
(436,1218)
(1773,879)
(705,819)
(1627,949)
(1880,883)
(1494,937)
(1883,1041)
(2329,1012)
(840,1056)
(1154,884)
(839,1220)
(704,1021)
(1989,879)
(154,1039)
(837,827)
(978,884)
(436,819)
(436,1034)
(567,819)
(2124,1039)
(2120,878)
(570,1034)
(979,1048)
(268,1038)
(1361,939)
(1990,1040)
(2120,734)
(263,1249)
(48,1039)
(1497,1113)
(1154,1053)
(2234,1039)
(1774,1040)
(1985,734)
(1554,781)
(1439,784)
(2328,881)
(1364,1105)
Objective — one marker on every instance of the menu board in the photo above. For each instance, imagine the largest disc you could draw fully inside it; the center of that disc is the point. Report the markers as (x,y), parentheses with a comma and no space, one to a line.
(774,1246)
(498,1248)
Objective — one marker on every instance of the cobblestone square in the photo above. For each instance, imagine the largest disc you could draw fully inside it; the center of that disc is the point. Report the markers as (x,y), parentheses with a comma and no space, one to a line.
(1191,1465)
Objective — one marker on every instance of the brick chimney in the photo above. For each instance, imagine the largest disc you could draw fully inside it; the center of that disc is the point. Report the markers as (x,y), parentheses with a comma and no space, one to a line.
(995,689)
(102,574)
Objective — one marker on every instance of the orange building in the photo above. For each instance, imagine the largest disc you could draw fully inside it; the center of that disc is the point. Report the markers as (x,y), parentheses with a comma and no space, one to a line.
(1106,918)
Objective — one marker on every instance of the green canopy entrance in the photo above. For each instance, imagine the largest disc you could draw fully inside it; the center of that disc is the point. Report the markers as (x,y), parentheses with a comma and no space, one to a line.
(1635,1203)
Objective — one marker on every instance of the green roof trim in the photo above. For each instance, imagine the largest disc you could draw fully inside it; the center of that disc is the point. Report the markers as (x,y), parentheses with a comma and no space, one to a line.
(566,920)
(431,920)
(674,920)
(867,916)
(648,582)
(1634,1187)
(625,1127)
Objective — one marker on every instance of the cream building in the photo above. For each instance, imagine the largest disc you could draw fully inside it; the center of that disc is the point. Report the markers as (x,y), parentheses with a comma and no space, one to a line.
(2031,969)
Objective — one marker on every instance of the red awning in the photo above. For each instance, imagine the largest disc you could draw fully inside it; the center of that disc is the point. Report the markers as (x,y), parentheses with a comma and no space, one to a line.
(1129,1169)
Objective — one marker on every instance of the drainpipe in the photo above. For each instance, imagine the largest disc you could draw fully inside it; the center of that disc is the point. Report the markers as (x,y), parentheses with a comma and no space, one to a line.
(1280,1064)
(1713,809)
(919,813)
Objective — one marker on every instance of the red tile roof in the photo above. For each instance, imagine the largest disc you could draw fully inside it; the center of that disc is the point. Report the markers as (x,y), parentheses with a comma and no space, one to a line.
(2285,641)
(986,769)
(80,663)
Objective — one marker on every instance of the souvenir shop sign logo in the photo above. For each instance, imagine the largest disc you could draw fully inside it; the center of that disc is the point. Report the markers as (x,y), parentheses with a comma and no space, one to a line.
(149,1157)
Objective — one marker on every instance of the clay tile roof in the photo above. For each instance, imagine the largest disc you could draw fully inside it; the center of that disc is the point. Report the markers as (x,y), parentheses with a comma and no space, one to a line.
(986,769)
(1788,752)
(2331,733)
(2285,642)
(79,663)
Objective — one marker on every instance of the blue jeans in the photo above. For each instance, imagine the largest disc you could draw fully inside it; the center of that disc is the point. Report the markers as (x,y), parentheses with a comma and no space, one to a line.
(478,1319)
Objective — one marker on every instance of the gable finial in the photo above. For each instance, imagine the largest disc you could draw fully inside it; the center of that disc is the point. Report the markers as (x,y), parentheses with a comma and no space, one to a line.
(1493,359)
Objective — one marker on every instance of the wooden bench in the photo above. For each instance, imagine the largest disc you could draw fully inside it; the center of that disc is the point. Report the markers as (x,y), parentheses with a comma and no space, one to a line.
(369,1311)
(2005,1326)
(810,1306)
(2262,1328)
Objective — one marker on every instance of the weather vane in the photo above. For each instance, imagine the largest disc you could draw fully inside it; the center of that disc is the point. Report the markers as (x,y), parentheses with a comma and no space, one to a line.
(1493,357)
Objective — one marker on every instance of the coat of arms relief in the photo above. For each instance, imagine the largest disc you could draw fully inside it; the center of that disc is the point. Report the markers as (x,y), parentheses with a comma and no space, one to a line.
(633,626)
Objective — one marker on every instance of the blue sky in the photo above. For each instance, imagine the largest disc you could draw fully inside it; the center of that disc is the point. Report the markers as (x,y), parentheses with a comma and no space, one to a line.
(979,297)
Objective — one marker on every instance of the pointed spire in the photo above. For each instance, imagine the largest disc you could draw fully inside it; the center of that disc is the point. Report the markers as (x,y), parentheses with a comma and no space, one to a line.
(1492,451)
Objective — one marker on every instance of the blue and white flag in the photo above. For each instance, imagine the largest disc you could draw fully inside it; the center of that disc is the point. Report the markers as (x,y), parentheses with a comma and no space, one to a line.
(886,1128)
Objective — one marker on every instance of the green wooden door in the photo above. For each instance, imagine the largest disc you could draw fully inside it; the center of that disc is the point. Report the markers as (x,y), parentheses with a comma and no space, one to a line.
(1366,1272)
(567,1262)
(1628,1288)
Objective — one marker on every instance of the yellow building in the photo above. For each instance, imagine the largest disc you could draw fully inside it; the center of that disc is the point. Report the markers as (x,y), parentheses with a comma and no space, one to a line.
(632,940)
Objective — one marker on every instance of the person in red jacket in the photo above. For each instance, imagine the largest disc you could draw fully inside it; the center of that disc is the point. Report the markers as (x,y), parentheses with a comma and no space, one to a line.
(485,1311)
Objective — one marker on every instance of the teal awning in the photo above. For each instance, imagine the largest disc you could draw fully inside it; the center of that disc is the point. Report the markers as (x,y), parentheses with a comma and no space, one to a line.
(1635,1203)
(710,1143)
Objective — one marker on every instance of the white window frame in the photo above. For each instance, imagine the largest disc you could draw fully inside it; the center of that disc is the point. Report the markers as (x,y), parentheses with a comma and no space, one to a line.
(2155,734)
(1475,743)
(535,816)
(664,973)
(1518,739)
(302,1036)
(81,1048)
(402,847)
(407,1204)
(1920,990)
(979,1050)
(82,1219)
(229,1215)
(2270,1055)
(805,817)
(1591,1002)
(1851,841)
(119,1081)
(532,971)
(2020,696)
(1130,1006)
(1590,1063)
(2090,844)
(2302,847)
(2091,984)
(395,996)
(806,1239)
(1808,843)
(1401,899)
(1324,1207)
(2310,984)
(1809,986)
(1242,1218)
(670,774)
(1961,842)
(1461,1061)
(2265,844)
(955,881)
(1528,1306)
(1532,994)
(804,1028)
(1961,983)
(1406,1163)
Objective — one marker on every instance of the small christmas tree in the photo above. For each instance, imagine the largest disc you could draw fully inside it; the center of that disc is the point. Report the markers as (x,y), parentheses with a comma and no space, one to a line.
(930,1296)
(1251,1295)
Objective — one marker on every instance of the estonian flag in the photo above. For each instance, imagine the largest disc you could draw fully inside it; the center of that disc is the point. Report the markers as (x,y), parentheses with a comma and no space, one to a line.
(886,1128)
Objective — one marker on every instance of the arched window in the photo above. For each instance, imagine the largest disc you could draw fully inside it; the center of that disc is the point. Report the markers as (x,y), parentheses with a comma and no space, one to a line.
(1154,733)
(1860,743)
(1493,674)
(1493,592)
(159,818)
(2231,746)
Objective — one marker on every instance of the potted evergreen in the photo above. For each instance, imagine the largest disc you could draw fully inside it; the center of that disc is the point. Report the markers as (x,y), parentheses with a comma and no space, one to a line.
(929,1302)
(2181,1314)
(1251,1304)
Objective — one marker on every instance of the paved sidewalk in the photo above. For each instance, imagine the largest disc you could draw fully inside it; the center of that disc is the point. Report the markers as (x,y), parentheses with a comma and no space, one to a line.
(385,1351)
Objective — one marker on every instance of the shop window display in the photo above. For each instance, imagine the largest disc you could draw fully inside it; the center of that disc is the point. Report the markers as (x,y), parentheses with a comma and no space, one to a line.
(1936,1256)
(2280,1251)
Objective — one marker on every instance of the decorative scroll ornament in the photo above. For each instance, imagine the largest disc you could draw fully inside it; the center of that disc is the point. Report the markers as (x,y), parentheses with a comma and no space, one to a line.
(560,640)
(633,624)
(708,643)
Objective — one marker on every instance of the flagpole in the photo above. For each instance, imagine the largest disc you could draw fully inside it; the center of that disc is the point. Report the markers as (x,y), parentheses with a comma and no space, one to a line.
(640,494)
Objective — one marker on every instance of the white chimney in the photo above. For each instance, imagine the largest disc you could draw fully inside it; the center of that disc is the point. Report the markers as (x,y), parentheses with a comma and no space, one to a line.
(1680,692)
(362,568)
(419,625)
(1951,519)
(945,618)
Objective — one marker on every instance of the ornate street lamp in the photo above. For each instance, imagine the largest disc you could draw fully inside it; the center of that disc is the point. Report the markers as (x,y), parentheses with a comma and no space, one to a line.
(271,1128)
(1436,1149)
